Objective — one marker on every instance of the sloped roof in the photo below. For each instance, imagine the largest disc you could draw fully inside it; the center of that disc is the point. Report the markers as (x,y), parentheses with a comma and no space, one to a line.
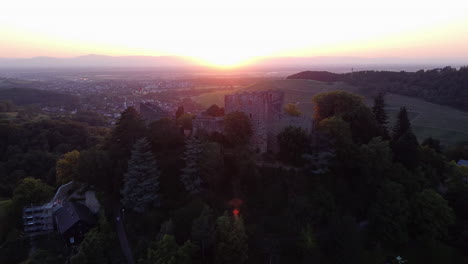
(462,162)
(70,214)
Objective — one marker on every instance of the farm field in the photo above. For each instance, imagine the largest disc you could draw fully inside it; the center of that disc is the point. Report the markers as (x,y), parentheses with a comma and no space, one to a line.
(444,123)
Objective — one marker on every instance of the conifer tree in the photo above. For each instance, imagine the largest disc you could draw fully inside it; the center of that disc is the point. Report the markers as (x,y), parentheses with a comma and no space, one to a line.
(380,115)
(141,182)
(180,111)
(404,143)
(129,128)
(379,109)
(191,173)
(402,125)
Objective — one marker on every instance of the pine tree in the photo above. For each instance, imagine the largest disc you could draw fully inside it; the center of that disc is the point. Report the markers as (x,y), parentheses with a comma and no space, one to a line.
(141,182)
(231,240)
(129,128)
(402,125)
(379,109)
(180,111)
(191,173)
(380,115)
(404,143)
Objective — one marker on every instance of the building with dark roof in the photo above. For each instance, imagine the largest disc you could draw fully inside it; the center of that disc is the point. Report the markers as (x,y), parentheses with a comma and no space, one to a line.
(73,220)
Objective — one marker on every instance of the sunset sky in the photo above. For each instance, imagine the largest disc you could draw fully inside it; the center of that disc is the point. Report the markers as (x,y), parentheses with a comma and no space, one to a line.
(235,32)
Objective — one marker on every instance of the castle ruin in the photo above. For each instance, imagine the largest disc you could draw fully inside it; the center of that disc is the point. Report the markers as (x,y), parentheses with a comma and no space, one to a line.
(264,108)
(266,114)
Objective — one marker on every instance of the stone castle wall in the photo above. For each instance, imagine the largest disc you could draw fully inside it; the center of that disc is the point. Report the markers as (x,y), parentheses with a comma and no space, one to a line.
(265,111)
(208,123)
(264,108)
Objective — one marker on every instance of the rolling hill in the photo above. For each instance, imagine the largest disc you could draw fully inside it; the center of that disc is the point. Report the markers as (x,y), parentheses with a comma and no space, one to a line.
(442,122)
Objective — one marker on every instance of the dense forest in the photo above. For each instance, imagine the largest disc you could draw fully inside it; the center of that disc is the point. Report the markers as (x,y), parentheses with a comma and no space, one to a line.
(29,96)
(446,86)
(353,191)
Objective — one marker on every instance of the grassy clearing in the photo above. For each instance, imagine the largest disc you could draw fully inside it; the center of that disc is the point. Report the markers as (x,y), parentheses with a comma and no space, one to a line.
(428,119)
(207,99)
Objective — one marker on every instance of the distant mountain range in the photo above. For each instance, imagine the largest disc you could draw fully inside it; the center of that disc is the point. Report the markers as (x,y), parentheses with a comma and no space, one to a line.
(102,61)
(97,61)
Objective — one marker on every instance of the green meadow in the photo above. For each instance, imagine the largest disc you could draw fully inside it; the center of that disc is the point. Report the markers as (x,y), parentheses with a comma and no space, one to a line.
(444,123)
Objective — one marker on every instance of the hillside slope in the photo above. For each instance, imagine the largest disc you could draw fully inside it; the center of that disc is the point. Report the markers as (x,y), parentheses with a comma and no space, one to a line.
(442,122)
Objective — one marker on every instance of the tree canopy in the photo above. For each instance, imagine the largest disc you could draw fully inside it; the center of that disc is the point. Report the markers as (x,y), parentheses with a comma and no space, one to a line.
(293,143)
(237,128)
(292,110)
(67,167)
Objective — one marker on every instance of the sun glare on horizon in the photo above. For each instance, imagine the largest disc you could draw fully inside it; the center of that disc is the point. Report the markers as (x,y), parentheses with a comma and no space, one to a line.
(231,34)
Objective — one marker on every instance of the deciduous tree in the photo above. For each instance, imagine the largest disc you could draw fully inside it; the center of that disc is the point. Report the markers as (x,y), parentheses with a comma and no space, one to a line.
(33,191)
(215,111)
(292,110)
(430,215)
(166,251)
(66,169)
(293,143)
(389,215)
(230,240)
(237,128)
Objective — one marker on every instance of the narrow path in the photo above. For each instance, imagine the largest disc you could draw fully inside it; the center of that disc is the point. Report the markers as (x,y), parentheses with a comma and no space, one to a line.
(120,229)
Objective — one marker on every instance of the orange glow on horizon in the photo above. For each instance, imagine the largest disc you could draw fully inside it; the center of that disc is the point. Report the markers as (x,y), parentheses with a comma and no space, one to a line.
(232,34)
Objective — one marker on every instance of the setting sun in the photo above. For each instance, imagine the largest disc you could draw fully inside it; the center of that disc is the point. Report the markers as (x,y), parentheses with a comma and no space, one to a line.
(224,59)
(233,131)
(232,34)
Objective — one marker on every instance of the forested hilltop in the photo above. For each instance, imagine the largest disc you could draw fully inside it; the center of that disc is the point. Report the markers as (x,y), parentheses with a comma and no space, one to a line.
(446,86)
(29,96)
(353,190)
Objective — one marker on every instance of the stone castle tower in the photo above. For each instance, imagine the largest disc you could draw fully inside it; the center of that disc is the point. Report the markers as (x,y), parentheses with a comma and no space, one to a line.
(264,108)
